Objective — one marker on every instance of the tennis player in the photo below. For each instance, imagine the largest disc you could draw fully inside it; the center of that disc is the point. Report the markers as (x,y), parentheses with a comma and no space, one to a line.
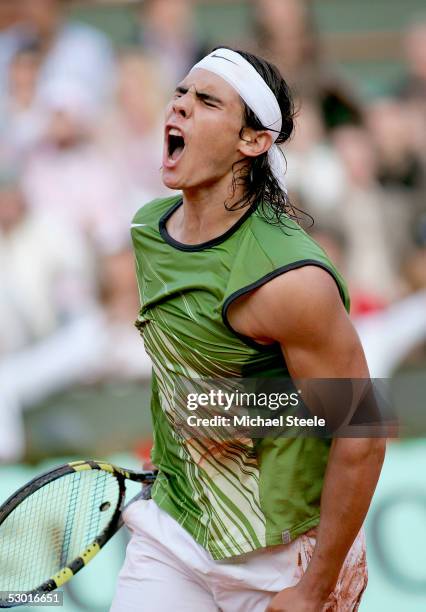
(231,286)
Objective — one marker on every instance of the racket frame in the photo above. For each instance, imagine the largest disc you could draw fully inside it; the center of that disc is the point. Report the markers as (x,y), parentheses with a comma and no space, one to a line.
(116,522)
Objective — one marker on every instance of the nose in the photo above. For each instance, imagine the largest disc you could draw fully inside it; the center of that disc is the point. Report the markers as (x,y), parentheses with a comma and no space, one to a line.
(183,105)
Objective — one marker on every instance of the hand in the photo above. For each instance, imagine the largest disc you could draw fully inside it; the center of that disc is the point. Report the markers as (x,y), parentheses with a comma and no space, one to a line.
(296,599)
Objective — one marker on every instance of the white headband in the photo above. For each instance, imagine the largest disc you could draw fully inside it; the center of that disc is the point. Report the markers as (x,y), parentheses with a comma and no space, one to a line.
(245,79)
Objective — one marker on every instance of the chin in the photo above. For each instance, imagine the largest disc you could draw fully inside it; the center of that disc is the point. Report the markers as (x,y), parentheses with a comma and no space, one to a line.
(172,183)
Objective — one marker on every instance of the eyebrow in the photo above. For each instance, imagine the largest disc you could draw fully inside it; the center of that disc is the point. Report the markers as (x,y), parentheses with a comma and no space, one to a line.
(200,94)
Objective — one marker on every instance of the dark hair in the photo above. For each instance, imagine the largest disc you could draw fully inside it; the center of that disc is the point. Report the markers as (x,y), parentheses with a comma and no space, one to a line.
(261,187)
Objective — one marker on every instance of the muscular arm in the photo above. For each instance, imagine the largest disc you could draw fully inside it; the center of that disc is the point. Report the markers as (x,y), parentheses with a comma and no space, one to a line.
(302,310)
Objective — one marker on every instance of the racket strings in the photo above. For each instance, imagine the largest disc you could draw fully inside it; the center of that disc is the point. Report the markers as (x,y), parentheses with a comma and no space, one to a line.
(69,521)
(53,526)
(95,517)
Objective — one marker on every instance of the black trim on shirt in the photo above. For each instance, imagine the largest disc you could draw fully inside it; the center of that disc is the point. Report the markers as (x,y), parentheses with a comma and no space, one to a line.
(202,245)
(261,281)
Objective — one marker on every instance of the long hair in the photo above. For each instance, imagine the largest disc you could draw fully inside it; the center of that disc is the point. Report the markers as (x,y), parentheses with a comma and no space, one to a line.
(261,189)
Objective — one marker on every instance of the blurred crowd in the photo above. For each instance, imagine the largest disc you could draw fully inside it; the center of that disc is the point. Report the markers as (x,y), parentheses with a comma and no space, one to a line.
(80,152)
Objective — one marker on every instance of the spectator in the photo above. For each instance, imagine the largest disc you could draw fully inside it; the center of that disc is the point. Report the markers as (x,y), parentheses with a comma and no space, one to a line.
(102,344)
(315,172)
(167,33)
(21,117)
(133,133)
(69,177)
(70,50)
(12,38)
(286,29)
(399,332)
(414,85)
(400,166)
(366,221)
(44,272)
(388,333)
(412,91)
(286,34)
(414,269)
(400,170)
(334,244)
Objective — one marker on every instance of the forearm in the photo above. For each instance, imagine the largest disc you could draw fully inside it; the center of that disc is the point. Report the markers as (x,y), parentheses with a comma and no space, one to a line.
(352,473)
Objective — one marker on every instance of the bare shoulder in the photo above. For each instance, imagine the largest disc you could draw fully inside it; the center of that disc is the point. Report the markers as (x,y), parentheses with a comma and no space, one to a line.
(309,281)
(299,301)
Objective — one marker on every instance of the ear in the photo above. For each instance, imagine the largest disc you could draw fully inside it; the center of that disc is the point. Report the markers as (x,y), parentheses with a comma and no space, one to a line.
(254,142)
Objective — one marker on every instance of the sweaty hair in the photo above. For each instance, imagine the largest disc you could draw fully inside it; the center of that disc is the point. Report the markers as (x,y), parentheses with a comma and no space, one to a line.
(261,188)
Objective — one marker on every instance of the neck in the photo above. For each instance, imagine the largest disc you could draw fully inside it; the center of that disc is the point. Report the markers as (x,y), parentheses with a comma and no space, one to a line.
(203,215)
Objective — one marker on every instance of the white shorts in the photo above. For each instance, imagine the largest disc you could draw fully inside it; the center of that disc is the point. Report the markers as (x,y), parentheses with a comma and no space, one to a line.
(165,569)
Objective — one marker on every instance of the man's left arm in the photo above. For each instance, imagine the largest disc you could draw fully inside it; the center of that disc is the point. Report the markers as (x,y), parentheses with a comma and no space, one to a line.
(305,314)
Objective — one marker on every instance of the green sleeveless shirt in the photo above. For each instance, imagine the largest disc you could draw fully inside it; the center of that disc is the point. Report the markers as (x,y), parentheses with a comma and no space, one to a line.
(251,494)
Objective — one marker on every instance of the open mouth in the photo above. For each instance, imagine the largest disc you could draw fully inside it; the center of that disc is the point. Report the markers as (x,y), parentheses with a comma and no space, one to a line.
(175,144)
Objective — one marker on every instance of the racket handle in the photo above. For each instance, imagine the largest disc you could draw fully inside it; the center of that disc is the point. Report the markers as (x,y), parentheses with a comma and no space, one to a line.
(144,493)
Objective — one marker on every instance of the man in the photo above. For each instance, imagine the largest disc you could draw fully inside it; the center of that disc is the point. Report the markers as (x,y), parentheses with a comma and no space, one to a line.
(44,285)
(231,286)
(70,50)
(166,31)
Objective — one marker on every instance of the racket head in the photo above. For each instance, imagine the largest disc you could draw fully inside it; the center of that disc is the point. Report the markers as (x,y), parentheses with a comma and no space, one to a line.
(58,522)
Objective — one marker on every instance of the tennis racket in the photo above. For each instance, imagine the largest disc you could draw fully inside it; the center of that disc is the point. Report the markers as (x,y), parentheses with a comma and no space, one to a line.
(57,523)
